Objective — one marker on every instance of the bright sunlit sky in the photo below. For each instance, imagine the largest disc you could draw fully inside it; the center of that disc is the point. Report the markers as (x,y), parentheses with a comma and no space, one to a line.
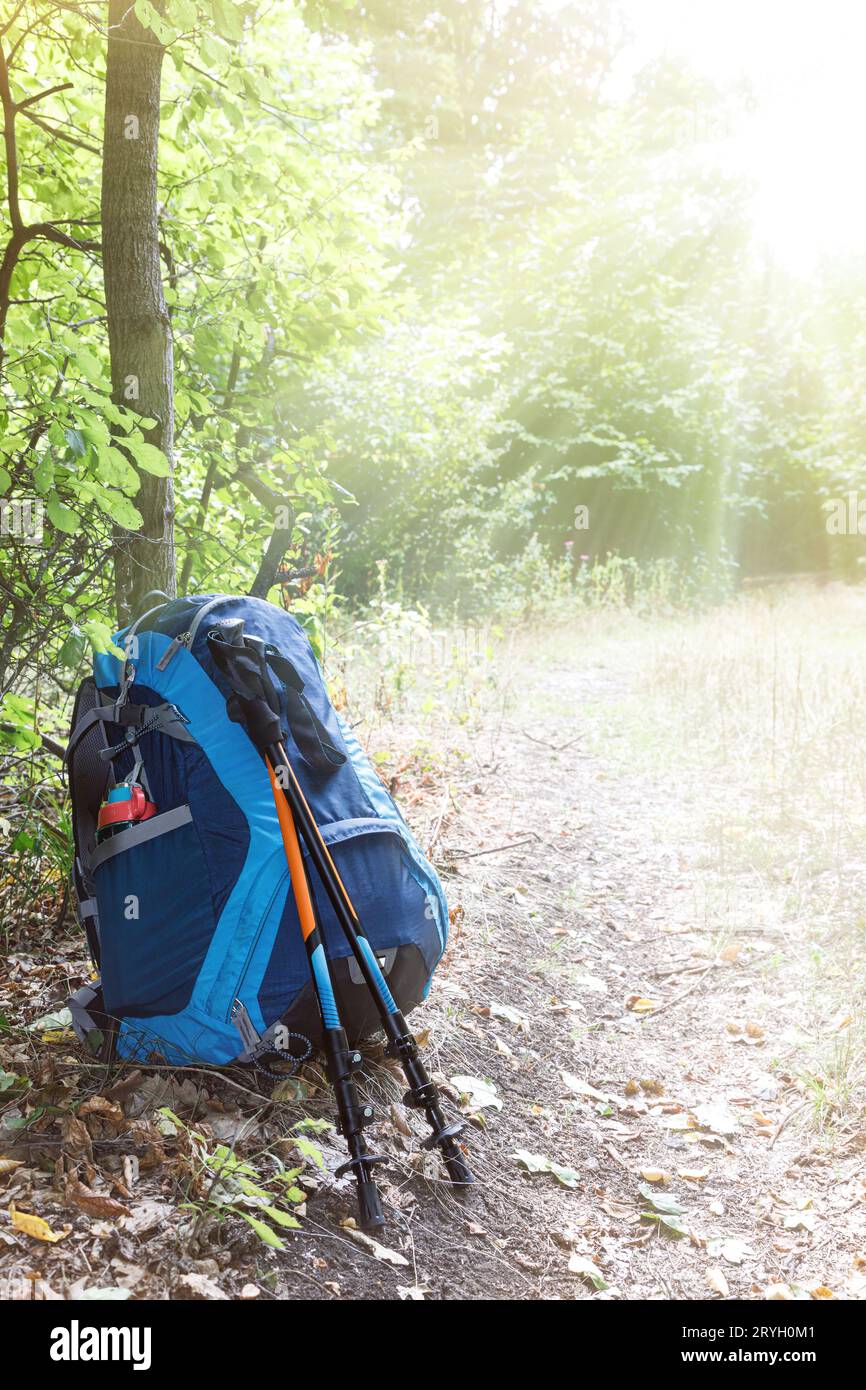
(804,143)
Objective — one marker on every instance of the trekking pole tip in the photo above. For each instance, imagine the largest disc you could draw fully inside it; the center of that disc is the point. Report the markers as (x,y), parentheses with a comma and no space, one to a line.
(372,1215)
(458,1170)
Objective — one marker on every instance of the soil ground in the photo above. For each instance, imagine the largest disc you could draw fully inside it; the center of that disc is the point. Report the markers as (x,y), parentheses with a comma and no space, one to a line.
(645,1116)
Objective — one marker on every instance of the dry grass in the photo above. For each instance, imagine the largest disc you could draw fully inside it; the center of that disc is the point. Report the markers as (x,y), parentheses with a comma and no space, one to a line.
(753,715)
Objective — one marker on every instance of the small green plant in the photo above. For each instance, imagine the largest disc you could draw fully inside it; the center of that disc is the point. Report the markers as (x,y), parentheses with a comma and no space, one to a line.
(225,1185)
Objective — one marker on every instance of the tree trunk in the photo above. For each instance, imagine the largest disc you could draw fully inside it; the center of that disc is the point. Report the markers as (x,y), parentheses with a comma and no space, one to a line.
(139,329)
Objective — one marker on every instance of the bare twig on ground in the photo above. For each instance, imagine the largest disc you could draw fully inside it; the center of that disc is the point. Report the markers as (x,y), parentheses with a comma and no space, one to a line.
(497,849)
(790,1115)
(554,747)
(678,998)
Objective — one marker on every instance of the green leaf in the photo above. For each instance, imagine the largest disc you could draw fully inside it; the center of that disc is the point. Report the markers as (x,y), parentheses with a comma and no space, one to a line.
(283,1218)
(121,510)
(183,12)
(533,1163)
(43,474)
(89,366)
(568,1177)
(673,1224)
(61,517)
(537,1163)
(584,1267)
(308,1149)
(153,20)
(114,469)
(262,1230)
(5,480)
(75,440)
(99,635)
(148,457)
(315,1126)
(74,649)
(228,19)
(479,1093)
(661,1201)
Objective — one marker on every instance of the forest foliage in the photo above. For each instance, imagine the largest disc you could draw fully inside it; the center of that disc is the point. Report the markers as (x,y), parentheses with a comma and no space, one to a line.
(470,317)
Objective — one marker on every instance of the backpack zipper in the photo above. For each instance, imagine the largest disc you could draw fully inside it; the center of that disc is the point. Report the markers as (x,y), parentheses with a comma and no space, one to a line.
(254,943)
(186,639)
(182,640)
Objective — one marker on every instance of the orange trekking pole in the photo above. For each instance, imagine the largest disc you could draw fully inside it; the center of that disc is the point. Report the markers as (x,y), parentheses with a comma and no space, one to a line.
(341,1060)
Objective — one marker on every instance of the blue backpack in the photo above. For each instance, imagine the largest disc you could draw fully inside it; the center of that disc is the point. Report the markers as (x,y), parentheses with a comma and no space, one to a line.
(180,869)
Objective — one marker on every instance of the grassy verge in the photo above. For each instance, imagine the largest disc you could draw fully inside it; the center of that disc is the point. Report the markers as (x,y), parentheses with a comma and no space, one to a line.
(751,717)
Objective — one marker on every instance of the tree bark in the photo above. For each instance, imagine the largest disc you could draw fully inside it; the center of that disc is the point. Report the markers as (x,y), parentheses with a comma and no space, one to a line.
(277,546)
(139,328)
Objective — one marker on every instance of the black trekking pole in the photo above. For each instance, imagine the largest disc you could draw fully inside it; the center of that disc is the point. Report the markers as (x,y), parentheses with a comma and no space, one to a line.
(423,1094)
(254,703)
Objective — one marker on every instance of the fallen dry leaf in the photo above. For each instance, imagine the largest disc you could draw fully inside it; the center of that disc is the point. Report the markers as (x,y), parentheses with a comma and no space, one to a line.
(717,1282)
(102,1112)
(198,1286)
(639,1004)
(586,1269)
(76,1138)
(717,1117)
(399,1121)
(583,1088)
(8,1165)
(731,1248)
(381,1252)
(34,1226)
(124,1088)
(655,1175)
(147,1215)
(679,1121)
(95,1203)
(693,1174)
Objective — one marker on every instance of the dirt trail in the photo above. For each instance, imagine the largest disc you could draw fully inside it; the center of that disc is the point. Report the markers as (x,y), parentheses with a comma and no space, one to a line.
(577,931)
